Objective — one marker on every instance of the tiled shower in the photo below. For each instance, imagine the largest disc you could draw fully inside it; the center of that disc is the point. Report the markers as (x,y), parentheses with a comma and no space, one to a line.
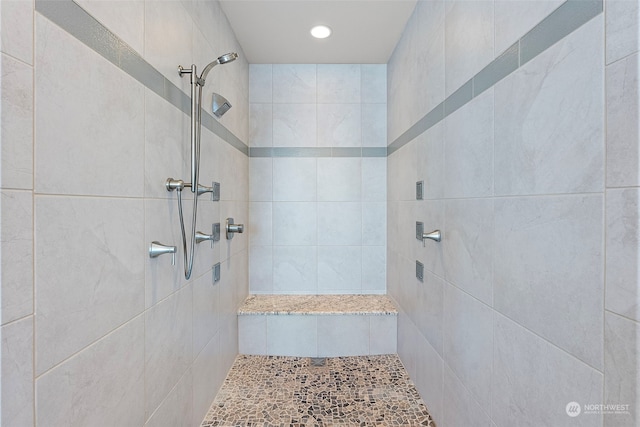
(520,117)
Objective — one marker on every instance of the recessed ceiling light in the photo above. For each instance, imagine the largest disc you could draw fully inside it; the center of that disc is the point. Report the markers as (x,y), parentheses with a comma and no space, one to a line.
(321,31)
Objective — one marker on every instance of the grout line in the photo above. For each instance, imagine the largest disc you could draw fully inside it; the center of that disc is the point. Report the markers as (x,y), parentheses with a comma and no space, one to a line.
(622,316)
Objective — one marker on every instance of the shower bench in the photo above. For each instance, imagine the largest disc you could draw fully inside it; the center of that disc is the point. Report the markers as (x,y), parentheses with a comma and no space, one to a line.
(317,325)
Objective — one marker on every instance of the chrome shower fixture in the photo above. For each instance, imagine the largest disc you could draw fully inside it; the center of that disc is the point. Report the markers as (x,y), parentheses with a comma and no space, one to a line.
(196,123)
(196,109)
(219,105)
(227,57)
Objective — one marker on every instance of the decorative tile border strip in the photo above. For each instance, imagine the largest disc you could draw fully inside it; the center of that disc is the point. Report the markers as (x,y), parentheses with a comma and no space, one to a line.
(84,27)
(571,15)
(318,152)
(567,18)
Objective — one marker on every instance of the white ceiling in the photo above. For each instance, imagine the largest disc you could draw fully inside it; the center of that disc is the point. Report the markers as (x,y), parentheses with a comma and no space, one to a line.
(277,31)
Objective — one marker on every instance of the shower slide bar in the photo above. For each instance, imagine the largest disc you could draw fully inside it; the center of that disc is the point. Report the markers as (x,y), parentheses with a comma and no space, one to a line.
(197,83)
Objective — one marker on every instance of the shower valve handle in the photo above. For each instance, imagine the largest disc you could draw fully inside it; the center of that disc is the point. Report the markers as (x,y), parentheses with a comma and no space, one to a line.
(434,235)
(213,237)
(156,249)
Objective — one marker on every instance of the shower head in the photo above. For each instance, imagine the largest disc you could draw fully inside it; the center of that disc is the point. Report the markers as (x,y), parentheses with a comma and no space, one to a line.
(228,57)
(220,105)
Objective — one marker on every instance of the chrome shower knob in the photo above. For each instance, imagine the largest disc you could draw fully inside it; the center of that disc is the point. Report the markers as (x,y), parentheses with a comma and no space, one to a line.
(232,228)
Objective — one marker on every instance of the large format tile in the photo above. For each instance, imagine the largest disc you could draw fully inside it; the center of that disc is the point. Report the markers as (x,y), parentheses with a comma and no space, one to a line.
(102,385)
(295,269)
(124,18)
(294,179)
(233,170)
(261,269)
(260,223)
(533,381)
(468,149)
(16,91)
(261,125)
(252,334)
(383,335)
(548,269)
(623,252)
(17,373)
(621,373)
(340,223)
(429,62)
(429,377)
(429,313)
(374,179)
(408,340)
(339,269)
(338,83)
(166,147)
(103,144)
(16,240)
(540,145)
(260,179)
(217,160)
(374,223)
(461,409)
(260,83)
(468,342)
(294,223)
(206,378)
(431,167)
(292,335)
(623,28)
(468,245)
(294,125)
(177,408)
(93,279)
(339,179)
(469,40)
(343,336)
(373,83)
(623,130)
(162,225)
(229,289)
(402,170)
(374,270)
(168,346)
(374,125)
(206,311)
(16,29)
(400,93)
(294,83)
(168,41)
(339,125)
(514,18)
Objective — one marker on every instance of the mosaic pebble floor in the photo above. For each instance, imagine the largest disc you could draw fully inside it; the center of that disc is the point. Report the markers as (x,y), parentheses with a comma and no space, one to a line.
(288,391)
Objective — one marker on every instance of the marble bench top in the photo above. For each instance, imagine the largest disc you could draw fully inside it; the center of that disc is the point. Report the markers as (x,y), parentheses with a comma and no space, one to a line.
(318,304)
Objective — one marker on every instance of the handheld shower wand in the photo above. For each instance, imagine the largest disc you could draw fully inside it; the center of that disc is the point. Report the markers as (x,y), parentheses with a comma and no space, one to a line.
(196,123)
